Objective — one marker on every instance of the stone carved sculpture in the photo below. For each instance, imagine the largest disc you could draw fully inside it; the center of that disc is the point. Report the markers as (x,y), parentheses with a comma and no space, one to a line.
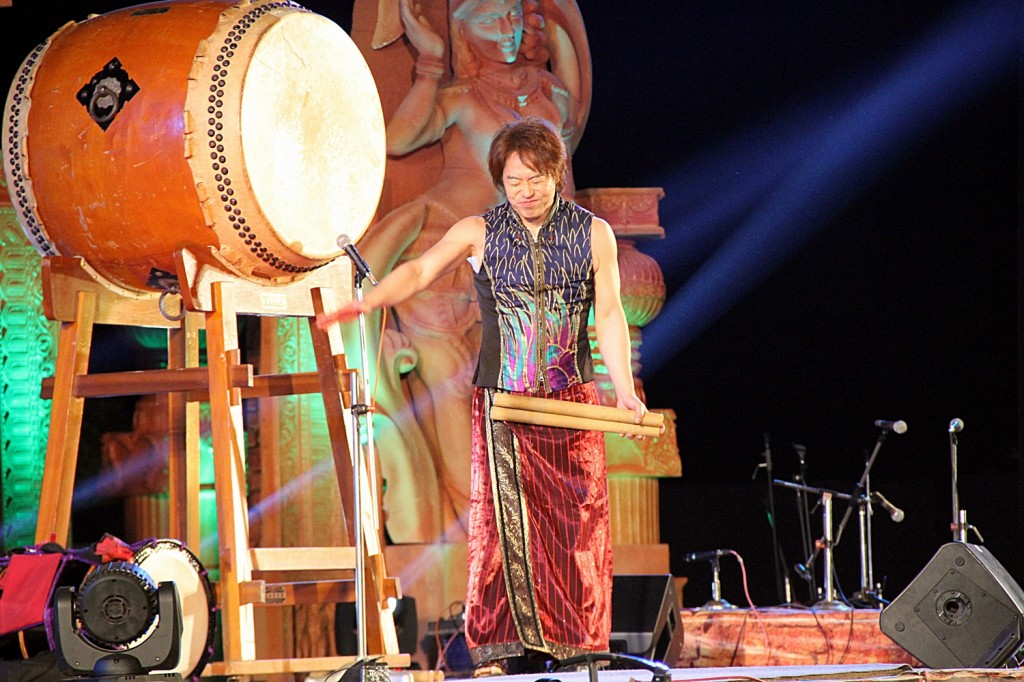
(506,59)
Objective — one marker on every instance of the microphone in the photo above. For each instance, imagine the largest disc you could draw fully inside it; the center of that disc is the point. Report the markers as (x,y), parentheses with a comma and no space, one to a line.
(956,426)
(895,513)
(346,245)
(803,571)
(709,555)
(899,426)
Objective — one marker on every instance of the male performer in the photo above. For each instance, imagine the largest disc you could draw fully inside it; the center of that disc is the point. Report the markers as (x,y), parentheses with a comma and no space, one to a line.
(540,564)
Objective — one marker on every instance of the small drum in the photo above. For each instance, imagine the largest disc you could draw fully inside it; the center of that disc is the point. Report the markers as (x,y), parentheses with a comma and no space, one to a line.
(170,560)
(250,129)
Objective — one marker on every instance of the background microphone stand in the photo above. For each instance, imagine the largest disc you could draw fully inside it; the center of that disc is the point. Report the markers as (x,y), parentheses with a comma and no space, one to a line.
(868,594)
(782,585)
(716,603)
(804,512)
(823,546)
(959,525)
(855,500)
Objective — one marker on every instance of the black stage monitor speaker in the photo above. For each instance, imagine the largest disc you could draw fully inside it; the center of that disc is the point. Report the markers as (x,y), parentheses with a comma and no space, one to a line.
(963,610)
(645,618)
(406,626)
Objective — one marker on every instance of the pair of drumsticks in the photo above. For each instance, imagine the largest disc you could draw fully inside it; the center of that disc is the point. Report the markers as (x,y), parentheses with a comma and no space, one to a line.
(562,413)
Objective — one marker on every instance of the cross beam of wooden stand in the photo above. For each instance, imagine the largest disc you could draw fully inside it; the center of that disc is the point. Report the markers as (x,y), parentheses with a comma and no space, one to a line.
(78,298)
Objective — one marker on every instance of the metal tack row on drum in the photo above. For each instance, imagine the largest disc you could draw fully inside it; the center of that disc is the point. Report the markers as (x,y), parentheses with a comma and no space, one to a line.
(251,130)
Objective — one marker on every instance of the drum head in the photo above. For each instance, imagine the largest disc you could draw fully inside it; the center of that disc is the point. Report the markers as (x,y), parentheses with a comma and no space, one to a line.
(312,134)
(170,560)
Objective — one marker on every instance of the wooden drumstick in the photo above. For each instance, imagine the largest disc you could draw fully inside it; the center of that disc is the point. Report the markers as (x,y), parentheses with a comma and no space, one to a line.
(572,422)
(571,409)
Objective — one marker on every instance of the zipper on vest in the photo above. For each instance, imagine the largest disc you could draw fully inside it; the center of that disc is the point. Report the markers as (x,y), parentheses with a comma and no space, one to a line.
(541,335)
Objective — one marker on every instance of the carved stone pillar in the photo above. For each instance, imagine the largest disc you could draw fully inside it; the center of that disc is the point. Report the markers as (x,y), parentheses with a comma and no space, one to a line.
(634,466)
(27,355)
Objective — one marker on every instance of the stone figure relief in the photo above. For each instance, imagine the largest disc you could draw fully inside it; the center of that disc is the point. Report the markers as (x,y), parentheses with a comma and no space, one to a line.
(504,59)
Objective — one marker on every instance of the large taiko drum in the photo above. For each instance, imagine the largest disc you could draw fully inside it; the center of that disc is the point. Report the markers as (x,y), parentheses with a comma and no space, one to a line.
(251,130)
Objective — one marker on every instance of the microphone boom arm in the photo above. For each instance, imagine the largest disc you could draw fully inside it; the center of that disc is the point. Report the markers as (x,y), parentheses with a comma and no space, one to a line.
(804,569)
(858,490)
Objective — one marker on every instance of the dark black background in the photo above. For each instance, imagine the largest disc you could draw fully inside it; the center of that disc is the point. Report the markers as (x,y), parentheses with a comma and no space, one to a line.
(901,303)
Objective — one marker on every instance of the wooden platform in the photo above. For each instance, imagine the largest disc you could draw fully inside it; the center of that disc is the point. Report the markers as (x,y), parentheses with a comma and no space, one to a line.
(785,637)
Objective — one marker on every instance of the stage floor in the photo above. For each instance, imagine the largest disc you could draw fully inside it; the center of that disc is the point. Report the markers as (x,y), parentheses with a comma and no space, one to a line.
(869,672)
(736,637)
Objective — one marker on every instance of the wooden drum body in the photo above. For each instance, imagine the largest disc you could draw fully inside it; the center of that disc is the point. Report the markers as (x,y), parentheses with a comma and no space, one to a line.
(249,130)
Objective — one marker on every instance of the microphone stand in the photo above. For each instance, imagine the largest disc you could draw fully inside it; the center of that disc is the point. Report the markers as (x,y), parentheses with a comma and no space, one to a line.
(858,491)
(824,545)
(867,594)
(828,599)
(363,420)
(959,525)
(859,498)
(716,603)
(804,511)
(782,586)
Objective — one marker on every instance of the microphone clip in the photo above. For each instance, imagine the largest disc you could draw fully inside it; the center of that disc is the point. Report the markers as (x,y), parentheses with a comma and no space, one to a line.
(361,266)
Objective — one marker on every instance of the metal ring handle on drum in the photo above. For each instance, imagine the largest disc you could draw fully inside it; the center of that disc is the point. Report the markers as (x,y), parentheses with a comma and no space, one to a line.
(163,310)
(103,91)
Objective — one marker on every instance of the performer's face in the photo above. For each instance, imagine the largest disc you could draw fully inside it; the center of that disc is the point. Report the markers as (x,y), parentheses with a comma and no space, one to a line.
(495,29)
(530,192)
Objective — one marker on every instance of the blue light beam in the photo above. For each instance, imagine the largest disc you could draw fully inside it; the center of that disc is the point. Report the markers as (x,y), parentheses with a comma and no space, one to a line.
(844,153)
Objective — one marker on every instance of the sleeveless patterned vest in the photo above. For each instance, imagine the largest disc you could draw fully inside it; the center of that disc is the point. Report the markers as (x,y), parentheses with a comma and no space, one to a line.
(535,298)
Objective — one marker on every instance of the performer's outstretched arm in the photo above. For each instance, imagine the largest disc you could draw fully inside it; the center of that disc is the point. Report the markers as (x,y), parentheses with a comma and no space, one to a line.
(463,239)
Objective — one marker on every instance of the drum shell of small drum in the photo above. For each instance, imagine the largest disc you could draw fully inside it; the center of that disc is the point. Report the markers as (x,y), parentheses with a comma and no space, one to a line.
(255,135)
(170,560)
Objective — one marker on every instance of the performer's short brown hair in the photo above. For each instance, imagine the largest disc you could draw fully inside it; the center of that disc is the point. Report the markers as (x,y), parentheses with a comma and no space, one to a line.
(538,144)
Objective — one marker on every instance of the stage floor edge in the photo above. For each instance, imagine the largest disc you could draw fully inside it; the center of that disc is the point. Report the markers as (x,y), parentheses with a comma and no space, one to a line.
(881,672)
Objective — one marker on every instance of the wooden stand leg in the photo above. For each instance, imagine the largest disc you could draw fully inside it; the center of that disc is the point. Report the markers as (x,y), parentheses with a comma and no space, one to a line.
(238,634)
(73,348)
(183,420)
(332,371)
(381,636)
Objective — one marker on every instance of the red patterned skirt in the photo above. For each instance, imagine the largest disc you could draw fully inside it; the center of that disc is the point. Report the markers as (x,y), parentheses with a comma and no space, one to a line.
(540,556)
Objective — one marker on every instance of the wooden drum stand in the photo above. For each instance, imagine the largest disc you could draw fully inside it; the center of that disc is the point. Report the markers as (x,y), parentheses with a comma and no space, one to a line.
(79,299)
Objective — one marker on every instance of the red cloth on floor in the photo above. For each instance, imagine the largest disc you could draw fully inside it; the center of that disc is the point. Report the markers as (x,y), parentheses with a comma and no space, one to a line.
(26,585)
